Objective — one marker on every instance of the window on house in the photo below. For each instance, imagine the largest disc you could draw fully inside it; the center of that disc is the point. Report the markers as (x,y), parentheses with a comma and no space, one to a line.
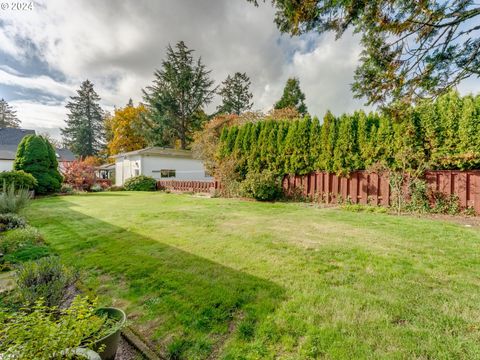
(166,173)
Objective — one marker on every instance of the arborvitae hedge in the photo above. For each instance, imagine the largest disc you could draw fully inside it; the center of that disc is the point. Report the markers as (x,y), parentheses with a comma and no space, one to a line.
(444,134)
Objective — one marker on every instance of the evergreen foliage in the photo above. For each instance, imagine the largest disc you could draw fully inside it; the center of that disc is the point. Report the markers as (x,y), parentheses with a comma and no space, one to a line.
(444,134)
(292,97)
(175,100)
(8,116)
(36,156)
(236,94)
(84,133)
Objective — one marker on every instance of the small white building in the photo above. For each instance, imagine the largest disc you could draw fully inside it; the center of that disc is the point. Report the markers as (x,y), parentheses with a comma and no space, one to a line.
(159,163)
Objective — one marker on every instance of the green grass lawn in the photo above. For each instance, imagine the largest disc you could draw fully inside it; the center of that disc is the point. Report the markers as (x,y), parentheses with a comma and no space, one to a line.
(217,278)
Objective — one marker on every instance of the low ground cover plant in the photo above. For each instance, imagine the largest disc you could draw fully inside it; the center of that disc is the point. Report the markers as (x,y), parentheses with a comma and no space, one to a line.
(11,221)
(140,183)
(47,279)
(43,333)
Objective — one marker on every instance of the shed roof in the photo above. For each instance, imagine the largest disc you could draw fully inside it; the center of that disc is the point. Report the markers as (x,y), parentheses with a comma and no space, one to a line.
(158,151)
(64,154)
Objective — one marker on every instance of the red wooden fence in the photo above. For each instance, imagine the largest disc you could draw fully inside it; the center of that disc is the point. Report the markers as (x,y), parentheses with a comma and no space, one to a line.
(188,185)
(363,187)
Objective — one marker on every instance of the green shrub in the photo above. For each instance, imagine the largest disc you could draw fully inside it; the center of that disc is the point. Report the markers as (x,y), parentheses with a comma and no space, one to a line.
(43,333)
(96,188)
(36,156)
(264,186)
(140,183)
(18,238)
(419,201)
(12,200)
(11,221)
(20,178)
(48,279)
(66,189)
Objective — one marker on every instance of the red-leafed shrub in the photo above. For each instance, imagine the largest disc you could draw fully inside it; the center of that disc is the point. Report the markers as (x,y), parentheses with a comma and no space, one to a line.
(80,174)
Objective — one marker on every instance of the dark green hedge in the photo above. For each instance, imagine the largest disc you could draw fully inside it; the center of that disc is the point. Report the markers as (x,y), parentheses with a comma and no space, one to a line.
(441,134)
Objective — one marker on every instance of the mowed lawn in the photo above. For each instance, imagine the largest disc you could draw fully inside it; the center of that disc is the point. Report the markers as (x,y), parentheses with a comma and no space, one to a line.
(230,279)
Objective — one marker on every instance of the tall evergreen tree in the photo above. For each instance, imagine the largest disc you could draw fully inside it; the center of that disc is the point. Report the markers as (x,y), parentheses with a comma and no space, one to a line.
(176,97)
(8,116)
(345,154)
(84,134)
(236,94)
(315,143)
(292,97)
(327,138)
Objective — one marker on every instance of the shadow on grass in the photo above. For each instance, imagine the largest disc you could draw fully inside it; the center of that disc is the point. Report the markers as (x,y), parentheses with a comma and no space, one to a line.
(186,305)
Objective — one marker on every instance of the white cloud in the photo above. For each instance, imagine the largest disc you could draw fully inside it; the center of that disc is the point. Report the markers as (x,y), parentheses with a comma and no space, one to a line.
(41,83)
(119,43)
(35,115)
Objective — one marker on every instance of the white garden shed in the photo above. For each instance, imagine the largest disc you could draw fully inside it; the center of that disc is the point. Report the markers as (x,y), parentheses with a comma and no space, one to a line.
(159,163)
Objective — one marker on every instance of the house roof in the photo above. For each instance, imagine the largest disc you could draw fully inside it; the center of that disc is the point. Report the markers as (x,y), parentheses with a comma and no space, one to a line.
(106,167)
(11,137)
(158,151)
(64,154)
(9,140)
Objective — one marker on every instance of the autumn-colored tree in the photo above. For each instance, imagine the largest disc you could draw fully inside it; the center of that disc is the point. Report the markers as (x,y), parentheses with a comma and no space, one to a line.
(81,173)
(126,129)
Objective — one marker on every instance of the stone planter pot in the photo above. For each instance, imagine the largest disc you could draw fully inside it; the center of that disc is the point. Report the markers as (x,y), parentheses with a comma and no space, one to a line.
(111,340)
(84,354)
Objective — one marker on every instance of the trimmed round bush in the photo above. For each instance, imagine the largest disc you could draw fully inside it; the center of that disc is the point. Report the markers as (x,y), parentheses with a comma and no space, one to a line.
(140,183)
(264,186)
(36,156)
(20,178)
(11,221)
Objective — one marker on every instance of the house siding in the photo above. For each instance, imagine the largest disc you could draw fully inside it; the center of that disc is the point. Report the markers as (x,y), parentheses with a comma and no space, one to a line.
(150,165)
(6,165)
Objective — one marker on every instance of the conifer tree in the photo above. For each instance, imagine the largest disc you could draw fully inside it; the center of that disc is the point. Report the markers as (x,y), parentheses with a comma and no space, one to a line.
(345,154)
(175,99)
(469,135)
(254,154)
(280,145)
(271,149)
(300,159)
(36,156)
(327,137)
(84,133)
(236,95)
(292,97)
(315,143)
(8,116)
(449,111)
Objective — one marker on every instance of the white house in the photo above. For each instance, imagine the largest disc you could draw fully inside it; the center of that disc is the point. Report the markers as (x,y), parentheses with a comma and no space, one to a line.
(159,163)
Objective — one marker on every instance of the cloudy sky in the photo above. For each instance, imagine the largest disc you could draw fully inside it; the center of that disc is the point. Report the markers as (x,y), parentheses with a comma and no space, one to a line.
(45,53)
